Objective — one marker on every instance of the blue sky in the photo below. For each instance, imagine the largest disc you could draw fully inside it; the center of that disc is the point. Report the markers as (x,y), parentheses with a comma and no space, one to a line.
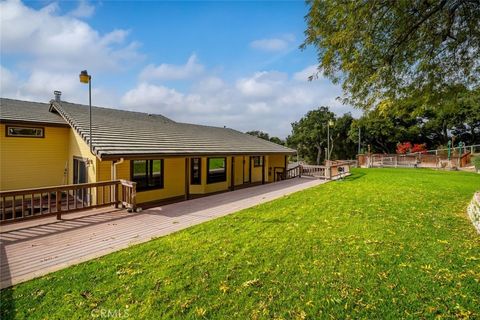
(218,63)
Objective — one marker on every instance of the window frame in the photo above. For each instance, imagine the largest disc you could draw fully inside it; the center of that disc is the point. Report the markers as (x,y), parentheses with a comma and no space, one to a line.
(192,180)
(147,174)
(8,126)
(216,177)
(260,161)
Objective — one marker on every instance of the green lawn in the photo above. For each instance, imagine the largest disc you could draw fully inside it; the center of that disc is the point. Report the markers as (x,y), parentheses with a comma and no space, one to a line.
(216,163)
(384,244)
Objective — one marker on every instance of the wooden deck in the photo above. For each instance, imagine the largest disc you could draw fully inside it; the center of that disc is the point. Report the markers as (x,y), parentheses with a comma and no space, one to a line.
(34,248)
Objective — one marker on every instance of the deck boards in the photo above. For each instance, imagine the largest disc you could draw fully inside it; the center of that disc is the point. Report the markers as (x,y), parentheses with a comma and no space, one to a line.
(34,248)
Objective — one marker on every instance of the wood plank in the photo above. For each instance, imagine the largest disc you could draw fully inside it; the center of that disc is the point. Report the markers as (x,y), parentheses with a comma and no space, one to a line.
(36,247)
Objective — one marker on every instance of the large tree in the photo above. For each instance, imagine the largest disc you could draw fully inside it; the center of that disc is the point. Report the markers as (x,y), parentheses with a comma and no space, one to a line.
(394,49)
(265,136)
(310,135)
(456,116)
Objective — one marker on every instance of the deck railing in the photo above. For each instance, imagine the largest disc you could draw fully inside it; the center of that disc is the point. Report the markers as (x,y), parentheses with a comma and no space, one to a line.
(22,204)
(128,194)
(293,172)
(415,160)
(335,169)
(314,171)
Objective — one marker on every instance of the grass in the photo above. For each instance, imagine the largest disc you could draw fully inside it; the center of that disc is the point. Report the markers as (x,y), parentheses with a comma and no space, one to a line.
(140,166)
(384,244)
(216,163)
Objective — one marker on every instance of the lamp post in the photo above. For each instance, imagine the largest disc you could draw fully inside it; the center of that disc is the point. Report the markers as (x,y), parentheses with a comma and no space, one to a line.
(86,78)
(330,123)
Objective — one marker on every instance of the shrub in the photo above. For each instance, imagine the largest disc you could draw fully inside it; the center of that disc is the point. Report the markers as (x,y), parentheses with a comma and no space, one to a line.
(406,147)
(403,148)
(476,162)
(419,148)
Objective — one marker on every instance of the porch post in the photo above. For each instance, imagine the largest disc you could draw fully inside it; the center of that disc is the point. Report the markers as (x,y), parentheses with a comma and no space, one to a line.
(286,168)
(263,169)
(187,178)
(232,174)
(58,204)
(249,169)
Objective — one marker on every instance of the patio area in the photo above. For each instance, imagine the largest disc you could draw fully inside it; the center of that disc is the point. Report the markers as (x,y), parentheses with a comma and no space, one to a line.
(34,248)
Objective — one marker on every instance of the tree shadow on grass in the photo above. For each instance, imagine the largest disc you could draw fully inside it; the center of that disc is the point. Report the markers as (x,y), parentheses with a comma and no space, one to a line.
(354,176)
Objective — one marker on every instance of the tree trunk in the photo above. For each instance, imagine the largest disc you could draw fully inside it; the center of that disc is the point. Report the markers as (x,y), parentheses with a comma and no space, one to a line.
(445,132)
(331,148)
(319,154)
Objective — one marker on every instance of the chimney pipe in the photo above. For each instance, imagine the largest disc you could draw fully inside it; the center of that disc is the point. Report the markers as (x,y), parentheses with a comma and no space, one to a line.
(57,94)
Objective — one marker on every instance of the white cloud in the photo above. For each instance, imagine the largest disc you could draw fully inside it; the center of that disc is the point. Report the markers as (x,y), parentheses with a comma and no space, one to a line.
(258,108)
(40,84)
(48,50)
(304,74)
(8,82)
(266,100)
(209,84)
(58,42)
(153,98)
(83,10)
(261,84)
(192,68)
(273,44)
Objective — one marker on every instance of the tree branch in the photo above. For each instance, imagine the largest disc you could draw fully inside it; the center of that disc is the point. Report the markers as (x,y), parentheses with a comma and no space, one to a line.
(413,28)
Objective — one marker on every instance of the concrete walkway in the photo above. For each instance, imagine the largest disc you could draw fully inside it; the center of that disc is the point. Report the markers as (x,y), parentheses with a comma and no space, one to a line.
(34,248)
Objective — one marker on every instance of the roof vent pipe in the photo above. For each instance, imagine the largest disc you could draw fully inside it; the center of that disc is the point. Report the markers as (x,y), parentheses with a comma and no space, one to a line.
(57,94)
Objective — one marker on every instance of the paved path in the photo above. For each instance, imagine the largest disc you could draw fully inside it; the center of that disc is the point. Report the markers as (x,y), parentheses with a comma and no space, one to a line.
(34,248)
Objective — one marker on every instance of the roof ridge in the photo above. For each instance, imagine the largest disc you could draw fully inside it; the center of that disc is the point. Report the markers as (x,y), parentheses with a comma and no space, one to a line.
(114,109)
(29,101)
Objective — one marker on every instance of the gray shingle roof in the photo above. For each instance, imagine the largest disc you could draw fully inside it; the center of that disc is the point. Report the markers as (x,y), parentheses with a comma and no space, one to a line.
(119,133)
(26,111)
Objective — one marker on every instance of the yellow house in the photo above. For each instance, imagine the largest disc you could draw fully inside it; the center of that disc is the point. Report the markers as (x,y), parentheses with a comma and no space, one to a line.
(48,144)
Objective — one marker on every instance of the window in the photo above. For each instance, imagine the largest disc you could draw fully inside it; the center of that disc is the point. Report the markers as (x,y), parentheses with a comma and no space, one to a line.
(196,175)
(216,170)
(257,161)
(25,132)
(148,174)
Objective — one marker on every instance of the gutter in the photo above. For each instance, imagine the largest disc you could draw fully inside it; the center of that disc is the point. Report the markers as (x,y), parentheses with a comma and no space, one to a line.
(113,174)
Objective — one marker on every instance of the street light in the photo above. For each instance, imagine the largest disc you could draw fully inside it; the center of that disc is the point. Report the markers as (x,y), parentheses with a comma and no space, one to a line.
(86,78)
(330,123)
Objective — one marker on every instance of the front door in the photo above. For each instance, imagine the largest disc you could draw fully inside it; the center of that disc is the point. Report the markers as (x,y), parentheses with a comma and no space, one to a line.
(80,176)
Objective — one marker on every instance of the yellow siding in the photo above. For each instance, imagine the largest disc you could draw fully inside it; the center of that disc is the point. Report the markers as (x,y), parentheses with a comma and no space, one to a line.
(39,162)
(33,162)
(239,170)
(104,170)
(276,164)
(219,186)
(256,172)
(212,187)
(174,179)
(246,168)
(77,147)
